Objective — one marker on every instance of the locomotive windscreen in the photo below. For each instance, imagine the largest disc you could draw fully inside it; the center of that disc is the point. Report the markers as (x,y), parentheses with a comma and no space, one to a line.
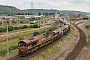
(21,44)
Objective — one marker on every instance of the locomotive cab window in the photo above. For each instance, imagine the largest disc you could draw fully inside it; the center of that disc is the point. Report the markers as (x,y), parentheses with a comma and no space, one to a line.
(21,44)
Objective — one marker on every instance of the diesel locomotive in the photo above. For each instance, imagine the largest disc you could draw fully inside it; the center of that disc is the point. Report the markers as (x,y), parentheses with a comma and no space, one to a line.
(30,45)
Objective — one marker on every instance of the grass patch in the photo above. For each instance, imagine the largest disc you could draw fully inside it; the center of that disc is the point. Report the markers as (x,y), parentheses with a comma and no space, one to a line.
(87,26)
(14,43)
(71,34)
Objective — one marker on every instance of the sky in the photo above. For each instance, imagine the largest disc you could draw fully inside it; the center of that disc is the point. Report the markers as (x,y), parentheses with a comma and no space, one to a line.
(78,5)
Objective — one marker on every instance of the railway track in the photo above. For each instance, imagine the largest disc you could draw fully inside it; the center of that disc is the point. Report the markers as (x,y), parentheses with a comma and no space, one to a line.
(19,36)
(4,40)
(81,43)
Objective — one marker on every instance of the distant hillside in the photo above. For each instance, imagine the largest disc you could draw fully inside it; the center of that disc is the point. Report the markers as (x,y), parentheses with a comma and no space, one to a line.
(53,11)
(8,9)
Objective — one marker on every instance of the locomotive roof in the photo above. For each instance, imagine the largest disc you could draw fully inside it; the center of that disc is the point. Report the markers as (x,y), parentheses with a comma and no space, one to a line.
(50,32)
(36,38)
(26,41)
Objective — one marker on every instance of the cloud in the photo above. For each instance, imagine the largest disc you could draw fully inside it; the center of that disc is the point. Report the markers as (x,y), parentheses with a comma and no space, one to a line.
(82,5)
(88,1)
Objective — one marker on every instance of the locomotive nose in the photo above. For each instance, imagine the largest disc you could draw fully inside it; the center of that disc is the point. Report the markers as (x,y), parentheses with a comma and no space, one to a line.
(22,49)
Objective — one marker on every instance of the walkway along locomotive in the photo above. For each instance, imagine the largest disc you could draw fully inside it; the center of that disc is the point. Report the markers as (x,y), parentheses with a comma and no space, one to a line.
(30,45)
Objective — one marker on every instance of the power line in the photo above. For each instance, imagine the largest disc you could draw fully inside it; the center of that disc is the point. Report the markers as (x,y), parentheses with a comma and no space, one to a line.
(31,5)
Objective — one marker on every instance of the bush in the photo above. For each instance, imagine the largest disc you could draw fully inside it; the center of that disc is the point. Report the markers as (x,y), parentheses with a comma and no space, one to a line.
(21,22)
(21,27)
(0,23)
(25,26)
(7,21)
(16,28)
(31,26)
(3,52)
(14,21)
(10,28)
(34,26)
(4,29)
(36,33)
(87,26)
(1,29)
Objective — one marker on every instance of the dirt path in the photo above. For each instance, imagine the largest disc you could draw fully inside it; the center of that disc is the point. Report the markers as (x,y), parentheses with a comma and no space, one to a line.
(81,43)
(85,53)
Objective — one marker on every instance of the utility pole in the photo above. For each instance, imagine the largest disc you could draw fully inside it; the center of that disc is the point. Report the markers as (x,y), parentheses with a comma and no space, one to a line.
(43,22)
(51,20)
(19,20)
(67,15)
(10,21)
(38,25)
(2,23)
(56,11)
(7,41)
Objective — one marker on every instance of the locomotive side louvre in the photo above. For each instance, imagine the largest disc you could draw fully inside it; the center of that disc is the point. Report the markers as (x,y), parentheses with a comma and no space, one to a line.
(42,40)
(29,46)
(37,41)
(50,35)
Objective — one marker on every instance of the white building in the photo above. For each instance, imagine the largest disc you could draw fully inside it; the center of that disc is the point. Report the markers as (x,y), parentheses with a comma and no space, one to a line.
(57,16)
